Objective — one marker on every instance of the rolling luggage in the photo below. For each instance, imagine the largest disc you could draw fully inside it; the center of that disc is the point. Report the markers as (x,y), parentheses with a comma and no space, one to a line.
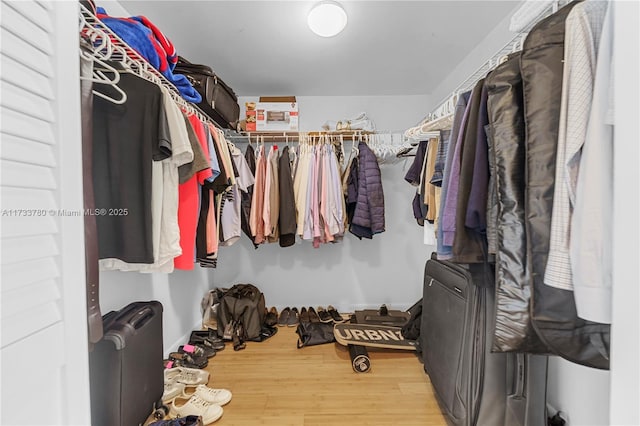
(126,367)
(474,386)
(219,101)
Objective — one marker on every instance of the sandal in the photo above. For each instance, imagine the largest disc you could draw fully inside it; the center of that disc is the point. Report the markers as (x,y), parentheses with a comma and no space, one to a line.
(197,350)
(186,360)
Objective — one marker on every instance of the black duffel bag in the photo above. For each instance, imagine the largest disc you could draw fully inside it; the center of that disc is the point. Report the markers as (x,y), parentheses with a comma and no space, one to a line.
(219,101)
(241,313)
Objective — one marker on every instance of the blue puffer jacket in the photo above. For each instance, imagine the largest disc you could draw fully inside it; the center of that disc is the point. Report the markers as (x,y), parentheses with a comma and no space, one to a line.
(368,218)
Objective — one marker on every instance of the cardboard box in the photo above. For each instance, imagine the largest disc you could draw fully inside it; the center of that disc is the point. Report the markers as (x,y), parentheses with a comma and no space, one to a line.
(272,116)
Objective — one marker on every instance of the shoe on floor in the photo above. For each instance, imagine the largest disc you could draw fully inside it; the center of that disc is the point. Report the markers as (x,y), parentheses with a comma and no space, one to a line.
(188,360)
(284,317)
(207,339)
(196,406)
(313,315)
(271,318)
(214,396)
(294,317)
(304,315)
(324,315)
(335,315)
(172,390)
(188,376)
(197,350)
(182,421)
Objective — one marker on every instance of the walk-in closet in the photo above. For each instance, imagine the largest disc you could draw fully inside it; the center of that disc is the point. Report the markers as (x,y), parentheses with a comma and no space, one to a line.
(299,213)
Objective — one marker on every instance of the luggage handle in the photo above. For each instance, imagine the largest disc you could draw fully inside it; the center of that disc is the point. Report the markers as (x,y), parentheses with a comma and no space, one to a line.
(141,318)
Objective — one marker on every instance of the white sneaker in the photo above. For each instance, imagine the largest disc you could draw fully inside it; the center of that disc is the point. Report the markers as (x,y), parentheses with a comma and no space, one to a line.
(172,390)
(214,396)
(188,376)
(197,406)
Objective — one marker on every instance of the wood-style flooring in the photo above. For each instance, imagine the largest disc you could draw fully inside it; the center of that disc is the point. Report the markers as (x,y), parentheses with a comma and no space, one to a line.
(274,383)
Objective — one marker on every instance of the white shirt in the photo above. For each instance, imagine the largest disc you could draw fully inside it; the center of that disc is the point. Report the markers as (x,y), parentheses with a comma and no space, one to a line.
(591,246)
(582,35)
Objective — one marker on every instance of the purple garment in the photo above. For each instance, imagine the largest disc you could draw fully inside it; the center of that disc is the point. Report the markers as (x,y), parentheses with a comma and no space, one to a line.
(476,216)
(448,220)
(445,252)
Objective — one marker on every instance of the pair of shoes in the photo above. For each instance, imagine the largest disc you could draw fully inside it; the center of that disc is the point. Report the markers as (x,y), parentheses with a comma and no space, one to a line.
(324,315)
(309,315)
(188,376)
(208,338)
(289,317)
(329,315)
(173,390)
(184,359)
(214,396)
(182,421)
(335,315)
(271,317)
(196,405)
(198,350)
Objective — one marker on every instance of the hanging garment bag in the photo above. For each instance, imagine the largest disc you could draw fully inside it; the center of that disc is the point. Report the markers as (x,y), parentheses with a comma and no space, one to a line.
(474,387)
(219,101)
(553,310)
(126,368)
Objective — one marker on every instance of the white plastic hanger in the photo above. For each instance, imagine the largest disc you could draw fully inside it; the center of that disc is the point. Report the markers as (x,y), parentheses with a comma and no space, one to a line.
(99,77)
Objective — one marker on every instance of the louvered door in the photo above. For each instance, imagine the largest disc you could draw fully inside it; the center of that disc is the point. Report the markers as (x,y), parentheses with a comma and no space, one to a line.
(43,341)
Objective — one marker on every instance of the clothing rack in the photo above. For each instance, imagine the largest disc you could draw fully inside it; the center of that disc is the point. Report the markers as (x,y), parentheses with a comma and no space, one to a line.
(107,45)
(271,136)
(523,20)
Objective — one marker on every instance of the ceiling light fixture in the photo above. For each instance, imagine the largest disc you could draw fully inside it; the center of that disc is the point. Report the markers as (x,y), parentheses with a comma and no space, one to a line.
(327,18)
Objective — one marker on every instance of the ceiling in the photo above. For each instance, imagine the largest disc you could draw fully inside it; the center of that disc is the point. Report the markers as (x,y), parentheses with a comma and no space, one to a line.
(265,47)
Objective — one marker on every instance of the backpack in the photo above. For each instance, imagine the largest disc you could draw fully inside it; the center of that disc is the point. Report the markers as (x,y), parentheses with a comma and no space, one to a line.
(241,312)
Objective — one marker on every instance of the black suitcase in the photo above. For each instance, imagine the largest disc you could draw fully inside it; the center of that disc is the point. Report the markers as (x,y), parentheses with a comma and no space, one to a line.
(219,101)
(126,367)
(473,386)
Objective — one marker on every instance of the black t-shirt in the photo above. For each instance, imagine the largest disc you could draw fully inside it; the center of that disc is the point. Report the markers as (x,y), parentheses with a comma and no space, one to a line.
(126,139)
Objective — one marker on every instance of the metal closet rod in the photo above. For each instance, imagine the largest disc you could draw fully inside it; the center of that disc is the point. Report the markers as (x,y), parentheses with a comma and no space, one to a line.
(295,136)
(443,107)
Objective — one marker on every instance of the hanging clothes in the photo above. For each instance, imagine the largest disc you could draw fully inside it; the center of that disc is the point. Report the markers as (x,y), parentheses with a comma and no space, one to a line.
(287,207)
(514,330)
(591,247)
(468,245)
(451,198)
(247,196)
(256,221)
(271,209)
(553,310)
(189,194)
(583,29)
(413,177)
(123,156)
(231,216)
(444,250)
(368,217)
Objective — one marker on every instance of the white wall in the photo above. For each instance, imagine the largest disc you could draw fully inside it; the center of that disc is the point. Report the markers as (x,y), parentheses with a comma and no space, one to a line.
(625,331)
(355,273)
